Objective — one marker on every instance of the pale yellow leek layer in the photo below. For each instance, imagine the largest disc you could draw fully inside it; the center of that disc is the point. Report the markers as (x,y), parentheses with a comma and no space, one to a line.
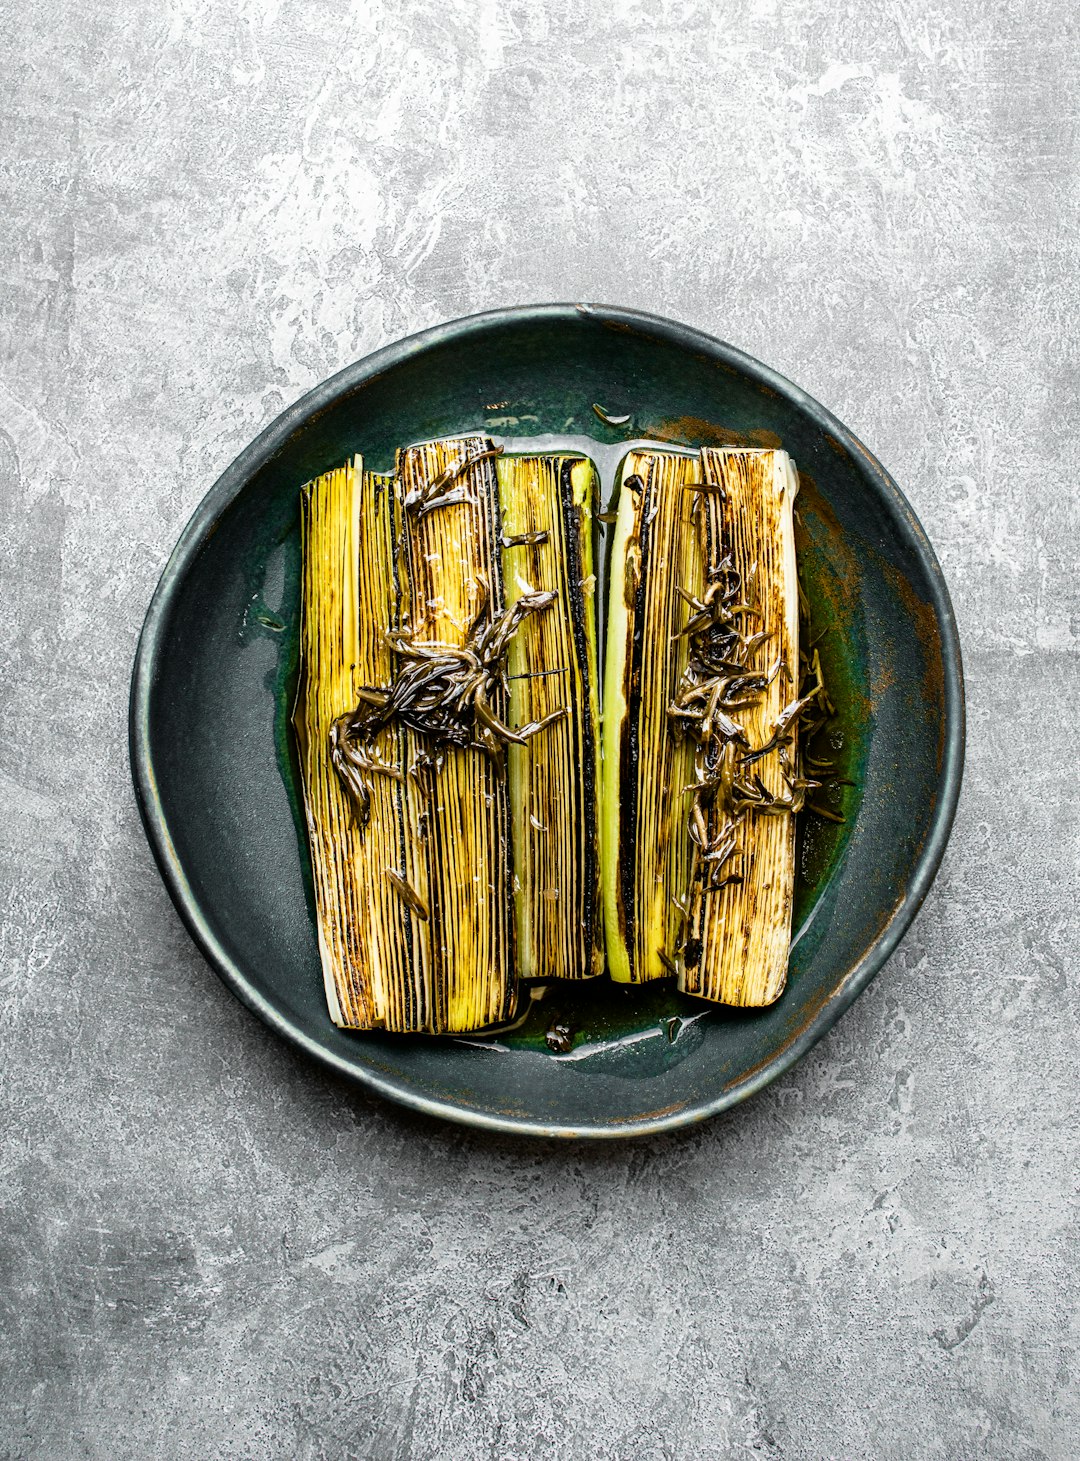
(457,839)
(554,776)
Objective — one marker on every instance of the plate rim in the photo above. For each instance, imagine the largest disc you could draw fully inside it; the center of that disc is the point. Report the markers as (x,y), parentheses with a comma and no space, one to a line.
(268,443)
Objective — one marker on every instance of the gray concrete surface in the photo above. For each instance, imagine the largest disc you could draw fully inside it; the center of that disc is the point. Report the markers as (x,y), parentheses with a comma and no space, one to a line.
(210,1249)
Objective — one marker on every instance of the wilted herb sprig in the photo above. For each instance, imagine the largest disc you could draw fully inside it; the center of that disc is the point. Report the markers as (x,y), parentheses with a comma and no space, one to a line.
(447,487)
(720,678)
(444,692)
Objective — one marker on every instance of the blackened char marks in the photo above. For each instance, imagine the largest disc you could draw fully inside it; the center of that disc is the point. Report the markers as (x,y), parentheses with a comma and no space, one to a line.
(629,749)
(586,751)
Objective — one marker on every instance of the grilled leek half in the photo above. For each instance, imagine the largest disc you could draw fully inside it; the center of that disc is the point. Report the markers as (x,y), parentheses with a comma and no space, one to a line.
(407,808)
(449,733)
(548,505)
(701,769)
(646,849)
(457,848)
(352,794)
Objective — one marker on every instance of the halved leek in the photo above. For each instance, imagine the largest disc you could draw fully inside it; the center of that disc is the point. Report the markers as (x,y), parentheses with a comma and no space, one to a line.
(547,520)
(646,850)
(457,842)
(347,521)
(701,778)
(739,929)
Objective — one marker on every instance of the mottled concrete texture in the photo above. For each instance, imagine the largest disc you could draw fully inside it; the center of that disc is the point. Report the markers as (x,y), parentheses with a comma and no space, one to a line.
(211,1249)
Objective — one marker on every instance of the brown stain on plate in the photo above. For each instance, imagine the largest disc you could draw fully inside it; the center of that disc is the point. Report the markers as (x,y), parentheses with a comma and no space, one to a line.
(924,622)
(836,594)
(697,431)
(810,1013)
(922,615)
(649,1115)
(810,492)
(815,1006)
(813,1009)
(871,459)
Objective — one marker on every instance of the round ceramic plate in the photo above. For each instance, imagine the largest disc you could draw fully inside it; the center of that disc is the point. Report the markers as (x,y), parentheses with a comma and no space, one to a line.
(215,770)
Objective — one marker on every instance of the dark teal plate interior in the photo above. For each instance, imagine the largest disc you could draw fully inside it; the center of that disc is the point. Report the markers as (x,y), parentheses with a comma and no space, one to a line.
(215,673)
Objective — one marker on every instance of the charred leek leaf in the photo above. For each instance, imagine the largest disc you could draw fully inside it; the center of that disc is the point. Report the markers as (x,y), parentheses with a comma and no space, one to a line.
(646,851)
(353,792)
(448,695)
(547,522)
(747,786)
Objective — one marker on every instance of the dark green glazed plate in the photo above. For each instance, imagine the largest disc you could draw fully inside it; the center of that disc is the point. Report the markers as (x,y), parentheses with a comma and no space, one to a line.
(215,673)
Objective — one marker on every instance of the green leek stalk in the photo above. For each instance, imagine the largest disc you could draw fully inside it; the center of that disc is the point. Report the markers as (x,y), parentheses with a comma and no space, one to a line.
(548,506)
